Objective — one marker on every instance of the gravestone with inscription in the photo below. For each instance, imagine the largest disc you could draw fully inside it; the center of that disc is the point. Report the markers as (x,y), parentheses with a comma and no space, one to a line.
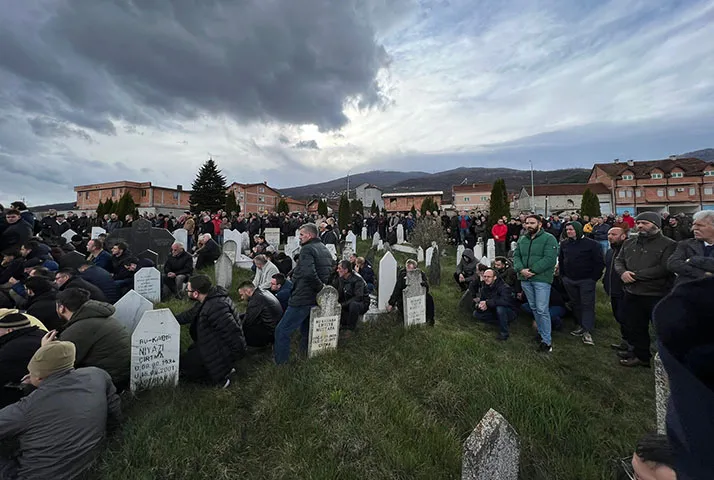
(324,322)
(272,236)
(351,240)
(230,248)
(130,308)
(224,271)
(244,242)
(400,234)
(387,279)
(143,236)
(155,350)
(364,233)
(414,300)
(147,283)
(96,231)
(234,235)
(71,260)
(434,271)
(68,235)
(181,236)
(149,255)
(492,450)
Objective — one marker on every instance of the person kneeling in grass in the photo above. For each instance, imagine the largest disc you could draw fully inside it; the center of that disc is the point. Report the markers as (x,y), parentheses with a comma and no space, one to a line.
(496,303)
(396,301)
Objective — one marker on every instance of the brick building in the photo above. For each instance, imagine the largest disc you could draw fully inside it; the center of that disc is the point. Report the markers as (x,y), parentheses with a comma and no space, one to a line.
(255,197)
(149,198)
(476,196)
(561,198)
(403,202)
(295,206)
(674,185)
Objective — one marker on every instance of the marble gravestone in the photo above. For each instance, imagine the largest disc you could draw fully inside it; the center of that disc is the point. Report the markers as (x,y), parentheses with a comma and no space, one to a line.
(434,272)
(513,247)
(661,394)
(71,260)
(478,249)
(324,322)
(181,236)
(230,248)
(364,233)
(420,255)
(155,350)
(96,231)
(347,252)
(351,239)
(68,235)
(459,252)
(490,249)
(400,234)
(143,236)
(244,242)
(414,300)
(387,279)
(130,308)
(149,255)
(492,450)
(429,256)
(485,261)
(380,246)
(376,239)
(272,236)
(224,271)
(234,235)
(333,251)
(147,283)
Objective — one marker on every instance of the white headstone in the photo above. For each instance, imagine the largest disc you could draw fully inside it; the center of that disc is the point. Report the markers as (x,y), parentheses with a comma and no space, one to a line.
(96,231)
(234,235)
(661,394)
(224,271)
(351,239)
(155,350)
(513,246)
(364,233)
(333,251)
(376,239)
(181,236)
(380,246)
(347,252)
(485,261)
(230,248)
(244,262)
(324,322)
(478,249)
(459,252)
(429,255)
(491,249)
(420,254)
(400,234)
(147,283)
(68,235)
(414,300)
(130,308)
(272,236)
(387,279)
(492,450)
(244,242)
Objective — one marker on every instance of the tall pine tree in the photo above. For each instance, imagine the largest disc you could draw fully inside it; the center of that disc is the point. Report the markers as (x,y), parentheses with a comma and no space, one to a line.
(374,208)
(343,213)
(322,207)
(282,206)
(125,206)
(498,206)
(232,203)
(209,189)
(590,204)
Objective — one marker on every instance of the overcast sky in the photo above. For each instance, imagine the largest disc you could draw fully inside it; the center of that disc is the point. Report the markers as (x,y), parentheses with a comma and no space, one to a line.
(301,91)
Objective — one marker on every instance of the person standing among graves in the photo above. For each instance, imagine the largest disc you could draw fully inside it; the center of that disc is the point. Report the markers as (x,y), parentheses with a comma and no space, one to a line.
(19,340)
(675,230)
(534,259)
(215,328)
(466,269)
(309,276)
(581,263)
(642,266)
(496,303)
(352,295)
(262,314)
(396,300)
(72,407)
(177,269)
(281,288)
(499,232)
(694,258)
(613,284)
(264,271)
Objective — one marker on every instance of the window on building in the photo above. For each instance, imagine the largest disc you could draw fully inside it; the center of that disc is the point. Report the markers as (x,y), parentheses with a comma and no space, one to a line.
(176,194)
(261,189)
(261,199)
(677,174)
(692,191)
(638,193)
(709,173)
(392,201)
(484,199)
(621,194)
(708,190)
(672,192)
(660,192)
(628,177)
(143,193)
(86,195)
(114,192)
(467,199)
(629,193)
(656,176)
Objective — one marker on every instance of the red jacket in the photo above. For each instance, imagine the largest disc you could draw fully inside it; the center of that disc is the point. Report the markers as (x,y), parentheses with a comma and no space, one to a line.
(499,232)
(629,220)
(216,225)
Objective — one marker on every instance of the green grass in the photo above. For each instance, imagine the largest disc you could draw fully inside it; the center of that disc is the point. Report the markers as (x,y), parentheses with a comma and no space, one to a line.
(395,404)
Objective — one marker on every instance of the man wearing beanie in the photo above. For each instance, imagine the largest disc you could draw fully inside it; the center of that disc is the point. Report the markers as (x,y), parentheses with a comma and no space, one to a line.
(71,407)
(19,340)
(642,266)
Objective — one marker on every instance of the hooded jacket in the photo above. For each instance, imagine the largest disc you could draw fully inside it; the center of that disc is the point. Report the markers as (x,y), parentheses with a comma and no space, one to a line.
(580,258)
(101,341)
(647,258)
(467,265)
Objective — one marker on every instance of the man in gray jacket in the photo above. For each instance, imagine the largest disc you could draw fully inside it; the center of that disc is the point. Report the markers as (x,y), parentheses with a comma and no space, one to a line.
(71,407)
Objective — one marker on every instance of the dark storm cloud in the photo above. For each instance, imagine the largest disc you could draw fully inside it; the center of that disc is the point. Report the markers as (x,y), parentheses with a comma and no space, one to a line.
(307,144)
(45,127)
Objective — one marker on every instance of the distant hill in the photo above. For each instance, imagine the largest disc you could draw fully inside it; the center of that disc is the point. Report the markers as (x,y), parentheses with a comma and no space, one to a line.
(706,154)
(335,187)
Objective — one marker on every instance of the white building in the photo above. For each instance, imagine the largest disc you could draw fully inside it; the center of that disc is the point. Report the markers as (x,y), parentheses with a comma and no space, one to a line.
(561,198)
(369,193)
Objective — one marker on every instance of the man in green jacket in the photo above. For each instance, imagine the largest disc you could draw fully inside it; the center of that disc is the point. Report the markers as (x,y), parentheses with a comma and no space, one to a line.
(534,260)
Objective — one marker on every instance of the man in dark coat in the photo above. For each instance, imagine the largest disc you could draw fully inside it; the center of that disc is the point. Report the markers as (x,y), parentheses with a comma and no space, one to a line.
(177,269)
(101,279)
(261,315)
(18,343)
(41,302)
(505,271)
(16,233)
(70,278)
(281,287)
(208,252)
(352,295)
(98,256)
(466,269)
(694,258)
(496,303)
(396,300)
(612,283)
(216,331)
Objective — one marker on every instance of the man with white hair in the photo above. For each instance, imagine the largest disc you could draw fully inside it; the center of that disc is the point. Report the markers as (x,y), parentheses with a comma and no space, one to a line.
(177,269)
(264,271)
(694,258)
(208,251)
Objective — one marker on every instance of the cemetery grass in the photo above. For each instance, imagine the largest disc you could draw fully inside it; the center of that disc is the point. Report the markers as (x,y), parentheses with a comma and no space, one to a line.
(392,403)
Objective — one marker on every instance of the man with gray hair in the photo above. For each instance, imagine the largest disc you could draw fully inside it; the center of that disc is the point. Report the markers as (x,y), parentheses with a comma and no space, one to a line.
(177,269)
(694,258)
(208,251)
(264,271)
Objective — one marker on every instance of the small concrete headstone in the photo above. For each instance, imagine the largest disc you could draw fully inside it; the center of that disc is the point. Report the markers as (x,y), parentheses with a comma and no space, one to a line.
(420,254)
(147,283)
(364,233)
(492,451)
(230,248)
(224,271)
(459,253)
(347,252)
(380,246)
(434,272)
(387,279)
(149,255)
(181,236)
(96,231)
(661,394)
(478,249)
(400,234)
(491,249)
(244,262)
(155,350)
(130,308)
(244,242)
(373,312)
(414,300)
(272,236)
(485,261)
(351,239)
(71,260)
(376,239)
(429,255)
(513,246)
(68,235)
(234,235)
(324,322)
(333,251)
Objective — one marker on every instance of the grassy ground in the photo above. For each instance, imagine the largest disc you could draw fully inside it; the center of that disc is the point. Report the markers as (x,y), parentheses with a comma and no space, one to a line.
(395,404)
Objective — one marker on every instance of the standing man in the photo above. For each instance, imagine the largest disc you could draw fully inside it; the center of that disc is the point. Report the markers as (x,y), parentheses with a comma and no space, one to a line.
(612,283)
(642,266)
(309,276)
(499,231)
(581,263)
(534,260)
(694,258)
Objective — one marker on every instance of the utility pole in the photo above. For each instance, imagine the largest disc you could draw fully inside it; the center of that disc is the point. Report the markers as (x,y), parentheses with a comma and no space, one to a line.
(532,189)
(348,184)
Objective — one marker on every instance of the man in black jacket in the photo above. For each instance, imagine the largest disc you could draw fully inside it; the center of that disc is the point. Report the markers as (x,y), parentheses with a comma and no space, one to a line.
(101,279)
(309,276)
(216,331)
(496,303)
(505,271)
(41,302)
(396,300)
(70,278)
(352,295)
(581,263)
(612,283)
(16,233)
(694,258)
(261,315)
(466,269)
(208,251)
(18,343)
(177,269)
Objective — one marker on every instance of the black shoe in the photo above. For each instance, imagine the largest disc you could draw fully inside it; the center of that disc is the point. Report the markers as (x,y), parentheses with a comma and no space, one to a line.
(502,337)
(538,338)
(634,362)
(545,348)
(622,346)
(625,354)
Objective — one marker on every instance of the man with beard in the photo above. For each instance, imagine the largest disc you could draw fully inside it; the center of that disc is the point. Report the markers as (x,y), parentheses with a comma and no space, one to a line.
(496,303)
(642,266)
(534,260)
(613,284)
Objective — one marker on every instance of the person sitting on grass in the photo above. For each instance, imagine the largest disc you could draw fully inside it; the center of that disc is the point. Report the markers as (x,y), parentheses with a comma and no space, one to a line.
(496,303)
(215,328)
(264,271)
(177,269)
(505,271)
(19,340)
(466,269)
(262,314)
(396,301)
(364,268)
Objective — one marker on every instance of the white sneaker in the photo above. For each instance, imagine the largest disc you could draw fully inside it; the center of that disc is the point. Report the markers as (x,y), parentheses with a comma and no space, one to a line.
(588,339)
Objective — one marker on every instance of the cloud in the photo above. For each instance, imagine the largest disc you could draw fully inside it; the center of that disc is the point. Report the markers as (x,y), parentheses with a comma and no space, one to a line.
(307,144)
(45,127)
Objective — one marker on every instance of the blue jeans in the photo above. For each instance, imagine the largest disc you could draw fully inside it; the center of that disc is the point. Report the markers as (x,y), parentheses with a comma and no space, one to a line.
(294,318)
(556,315)
(604,244)
(501,315)
(538,295)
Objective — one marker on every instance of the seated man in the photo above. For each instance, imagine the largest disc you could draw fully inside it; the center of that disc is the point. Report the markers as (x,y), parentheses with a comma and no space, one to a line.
(102,279)
(264,271)
(207,252)
(505,271)
(70,278)
(101,341)
(466,269)
(353,296)
(41,302)
(261,315)
(177,269)
(73,408)
(396,300)
(98,256)
(365,271)
(216,331)
(496,303)
(281,288)
(19,340)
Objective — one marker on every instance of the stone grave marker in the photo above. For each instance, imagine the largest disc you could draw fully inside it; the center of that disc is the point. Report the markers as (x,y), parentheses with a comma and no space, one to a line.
(347,252)
(490,249)
(492,450)
(272,236)
(96,231)
(130,308)
(400,234)
(429,255)
(333,251)
(513,246)
(149,255)
(155,350)
(351,239)
(376,239)
(68,235)
(244,242)
(71,260)
(230,248)
(459,252)
(181,236)
(234,235)
(373,312)
(414,300)
(380,246)
(485,261)
(224,271)
(420,254)
(434,272)
(387,279)
(364,233)
(143,236)
(478,249)
(324,322)
(370,255)
(661,394)
(147,283)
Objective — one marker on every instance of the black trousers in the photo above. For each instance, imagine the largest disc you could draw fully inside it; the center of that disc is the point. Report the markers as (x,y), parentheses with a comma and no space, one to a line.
(617,304)
(350,314)
(258,335)
(500,249)
(637,312)
(191,367)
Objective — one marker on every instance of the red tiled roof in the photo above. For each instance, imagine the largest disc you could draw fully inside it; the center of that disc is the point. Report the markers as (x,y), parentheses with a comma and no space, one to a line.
(474,187)
(567,189)
(690,166)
